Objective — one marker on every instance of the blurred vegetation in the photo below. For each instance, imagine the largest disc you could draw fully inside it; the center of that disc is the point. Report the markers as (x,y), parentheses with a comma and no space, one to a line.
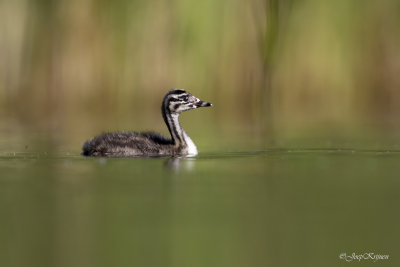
(274,69)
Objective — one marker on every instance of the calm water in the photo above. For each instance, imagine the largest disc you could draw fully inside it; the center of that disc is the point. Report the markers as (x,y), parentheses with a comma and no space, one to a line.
(266,208)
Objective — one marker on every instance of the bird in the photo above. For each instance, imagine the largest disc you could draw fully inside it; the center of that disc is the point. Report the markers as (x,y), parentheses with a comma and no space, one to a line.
(151,144)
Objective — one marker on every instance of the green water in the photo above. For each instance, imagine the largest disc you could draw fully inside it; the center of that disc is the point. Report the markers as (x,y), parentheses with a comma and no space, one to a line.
(267,208)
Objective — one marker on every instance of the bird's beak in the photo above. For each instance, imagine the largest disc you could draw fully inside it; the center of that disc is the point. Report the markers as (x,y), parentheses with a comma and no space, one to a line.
(203,104)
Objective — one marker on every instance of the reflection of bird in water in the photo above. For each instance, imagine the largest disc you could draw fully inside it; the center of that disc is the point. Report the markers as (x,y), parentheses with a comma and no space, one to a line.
(178,163)
(132,144)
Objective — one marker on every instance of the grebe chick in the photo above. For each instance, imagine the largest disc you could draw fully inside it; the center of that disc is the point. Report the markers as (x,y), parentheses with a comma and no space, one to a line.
(149,144)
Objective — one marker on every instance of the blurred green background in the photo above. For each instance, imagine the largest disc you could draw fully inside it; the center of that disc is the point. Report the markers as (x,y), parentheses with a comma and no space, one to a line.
(281,73)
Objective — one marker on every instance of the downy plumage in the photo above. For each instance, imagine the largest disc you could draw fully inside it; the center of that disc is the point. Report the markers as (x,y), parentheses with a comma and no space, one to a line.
(149,144)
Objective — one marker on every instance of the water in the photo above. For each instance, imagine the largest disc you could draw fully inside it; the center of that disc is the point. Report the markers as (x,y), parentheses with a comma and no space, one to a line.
(259,208)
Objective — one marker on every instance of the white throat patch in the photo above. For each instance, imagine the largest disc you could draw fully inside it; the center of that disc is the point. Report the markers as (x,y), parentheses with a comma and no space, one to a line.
(192,149)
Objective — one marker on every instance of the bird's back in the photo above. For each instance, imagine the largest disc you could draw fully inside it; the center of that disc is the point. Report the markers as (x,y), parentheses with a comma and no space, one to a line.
(128,144)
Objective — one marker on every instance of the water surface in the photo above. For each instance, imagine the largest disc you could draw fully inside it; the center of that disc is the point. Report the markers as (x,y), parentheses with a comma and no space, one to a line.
(251,208)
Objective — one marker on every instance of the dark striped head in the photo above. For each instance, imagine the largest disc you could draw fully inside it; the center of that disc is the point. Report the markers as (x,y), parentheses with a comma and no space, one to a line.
(178,100)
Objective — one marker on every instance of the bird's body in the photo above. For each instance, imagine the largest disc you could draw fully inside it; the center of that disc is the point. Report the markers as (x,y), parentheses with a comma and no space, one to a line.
(149,144)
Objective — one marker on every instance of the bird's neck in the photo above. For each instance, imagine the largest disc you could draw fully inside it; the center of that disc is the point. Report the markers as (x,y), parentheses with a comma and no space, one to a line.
(179,137)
